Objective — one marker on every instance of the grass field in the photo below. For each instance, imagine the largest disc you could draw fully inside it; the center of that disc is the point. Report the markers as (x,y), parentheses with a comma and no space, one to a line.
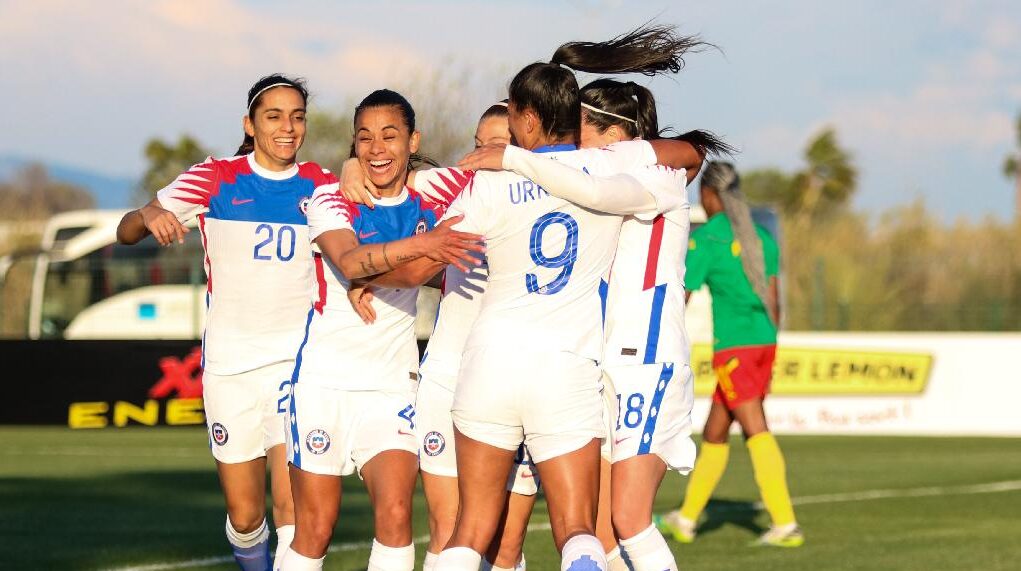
(148,499)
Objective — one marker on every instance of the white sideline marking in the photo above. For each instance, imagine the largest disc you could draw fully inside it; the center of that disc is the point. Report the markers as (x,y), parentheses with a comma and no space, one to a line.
(990,488)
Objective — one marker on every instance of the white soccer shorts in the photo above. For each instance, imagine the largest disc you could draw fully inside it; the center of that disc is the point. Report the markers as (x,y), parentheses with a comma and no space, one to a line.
(245,412)
(336,432)
(653,413)
(549,400)
(437,454)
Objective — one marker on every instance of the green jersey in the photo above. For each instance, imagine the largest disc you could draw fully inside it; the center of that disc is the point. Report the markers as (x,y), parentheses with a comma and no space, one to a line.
(714,259)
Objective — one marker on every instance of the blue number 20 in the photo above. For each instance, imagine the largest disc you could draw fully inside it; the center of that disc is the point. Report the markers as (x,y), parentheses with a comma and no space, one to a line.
(564,260)
(291,239)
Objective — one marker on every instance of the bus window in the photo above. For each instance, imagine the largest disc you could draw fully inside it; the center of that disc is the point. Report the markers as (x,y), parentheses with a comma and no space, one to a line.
(72,286)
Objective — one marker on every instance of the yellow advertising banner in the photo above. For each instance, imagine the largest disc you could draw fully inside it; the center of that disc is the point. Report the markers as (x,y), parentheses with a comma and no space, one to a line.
(817,371)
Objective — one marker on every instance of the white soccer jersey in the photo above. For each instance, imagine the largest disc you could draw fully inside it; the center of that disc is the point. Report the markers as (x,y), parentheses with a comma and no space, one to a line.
(546,256)
(340,350)
(645,294)
(258,261)
(460,294)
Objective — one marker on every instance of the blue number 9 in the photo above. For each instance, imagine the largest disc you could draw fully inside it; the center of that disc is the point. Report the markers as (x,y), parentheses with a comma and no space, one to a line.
(564,260)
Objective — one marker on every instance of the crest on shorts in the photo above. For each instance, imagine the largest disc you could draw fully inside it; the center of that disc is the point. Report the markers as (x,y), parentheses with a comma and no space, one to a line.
(317,441)
(219,434)
(421,227)
(434,443)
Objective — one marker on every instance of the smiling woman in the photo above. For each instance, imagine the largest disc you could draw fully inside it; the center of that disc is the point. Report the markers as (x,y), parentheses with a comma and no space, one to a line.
(251,213)
(277,105)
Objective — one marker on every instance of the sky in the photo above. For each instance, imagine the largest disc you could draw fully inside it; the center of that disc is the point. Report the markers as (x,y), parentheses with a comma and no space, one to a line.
(925,94)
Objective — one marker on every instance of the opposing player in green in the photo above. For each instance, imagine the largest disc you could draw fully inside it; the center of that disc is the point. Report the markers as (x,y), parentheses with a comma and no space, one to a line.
(739,262)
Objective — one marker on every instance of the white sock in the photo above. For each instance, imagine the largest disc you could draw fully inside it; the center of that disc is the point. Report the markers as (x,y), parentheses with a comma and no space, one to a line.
(583,552)
(294,561)
(458,559)
(383,558)
(648,551)
(285,534)
(430,561)
(251,550)
(521,563)
(487,566)
(614,562)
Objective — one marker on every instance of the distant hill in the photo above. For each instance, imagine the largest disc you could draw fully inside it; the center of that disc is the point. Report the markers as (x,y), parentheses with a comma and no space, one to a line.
(109,191)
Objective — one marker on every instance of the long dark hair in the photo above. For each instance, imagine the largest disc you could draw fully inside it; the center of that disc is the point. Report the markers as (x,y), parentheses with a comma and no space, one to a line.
(551,90)
(255,99)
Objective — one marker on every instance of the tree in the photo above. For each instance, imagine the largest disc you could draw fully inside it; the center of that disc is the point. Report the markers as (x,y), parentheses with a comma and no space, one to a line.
(1012,169)
(166,161)
(32,195)
(827,181)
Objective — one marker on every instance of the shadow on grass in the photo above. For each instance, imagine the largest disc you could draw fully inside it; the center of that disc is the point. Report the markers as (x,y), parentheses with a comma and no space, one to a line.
(722,512)
(99,522)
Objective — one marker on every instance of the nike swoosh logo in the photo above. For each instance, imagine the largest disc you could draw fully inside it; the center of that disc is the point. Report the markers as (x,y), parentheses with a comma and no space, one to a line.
(616,442)
(528,475)
(237,202)
(402,433)
(364,235)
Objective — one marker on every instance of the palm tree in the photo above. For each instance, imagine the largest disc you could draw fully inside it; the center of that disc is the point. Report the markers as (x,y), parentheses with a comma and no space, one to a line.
(829,179)
(1012,169)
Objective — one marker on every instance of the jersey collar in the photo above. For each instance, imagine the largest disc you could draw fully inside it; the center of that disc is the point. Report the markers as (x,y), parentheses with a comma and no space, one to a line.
(272,175)
(391,200)
(555,148)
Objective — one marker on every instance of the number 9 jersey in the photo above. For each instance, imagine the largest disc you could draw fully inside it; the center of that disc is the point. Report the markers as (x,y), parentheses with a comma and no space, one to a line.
(546,255)
(258,259)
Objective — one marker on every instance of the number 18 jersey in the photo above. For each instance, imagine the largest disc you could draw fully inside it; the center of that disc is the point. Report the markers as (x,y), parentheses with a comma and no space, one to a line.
(546,255)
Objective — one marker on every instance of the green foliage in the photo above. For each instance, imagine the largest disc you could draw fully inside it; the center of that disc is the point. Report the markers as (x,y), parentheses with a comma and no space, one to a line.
(902,270)
(166,160)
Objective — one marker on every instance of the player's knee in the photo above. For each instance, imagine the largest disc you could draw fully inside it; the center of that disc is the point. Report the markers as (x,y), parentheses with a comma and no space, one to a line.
(626,522)
(713,436)
(244,518)
(317,534)
(393,522)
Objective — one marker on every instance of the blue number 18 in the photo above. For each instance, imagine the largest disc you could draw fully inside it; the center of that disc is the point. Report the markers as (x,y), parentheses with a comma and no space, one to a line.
(564,260)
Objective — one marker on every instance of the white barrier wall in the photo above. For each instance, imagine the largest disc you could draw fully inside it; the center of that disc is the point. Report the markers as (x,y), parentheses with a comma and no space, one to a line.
(887,383)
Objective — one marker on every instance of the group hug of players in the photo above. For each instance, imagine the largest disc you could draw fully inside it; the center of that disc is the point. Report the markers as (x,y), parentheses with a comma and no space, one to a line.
(559,352)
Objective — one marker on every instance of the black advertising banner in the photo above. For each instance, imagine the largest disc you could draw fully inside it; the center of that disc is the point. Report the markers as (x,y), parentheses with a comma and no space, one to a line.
(100,384)
(104,384)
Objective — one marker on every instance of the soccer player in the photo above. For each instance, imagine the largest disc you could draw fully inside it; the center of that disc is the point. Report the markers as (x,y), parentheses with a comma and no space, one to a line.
(251,213)
(460,303)
(639,353)
(739,261)
(352,392)
(529,369)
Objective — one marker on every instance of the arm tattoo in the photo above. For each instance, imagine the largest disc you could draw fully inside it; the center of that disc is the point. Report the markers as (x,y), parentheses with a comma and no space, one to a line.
(387,260)
(369,265)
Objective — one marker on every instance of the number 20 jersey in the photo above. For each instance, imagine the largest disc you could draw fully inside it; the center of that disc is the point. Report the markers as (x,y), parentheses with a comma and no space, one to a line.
(258,260)
(546,255)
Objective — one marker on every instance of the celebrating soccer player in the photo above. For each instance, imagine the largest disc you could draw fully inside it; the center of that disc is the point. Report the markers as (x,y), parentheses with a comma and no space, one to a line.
(251,212)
